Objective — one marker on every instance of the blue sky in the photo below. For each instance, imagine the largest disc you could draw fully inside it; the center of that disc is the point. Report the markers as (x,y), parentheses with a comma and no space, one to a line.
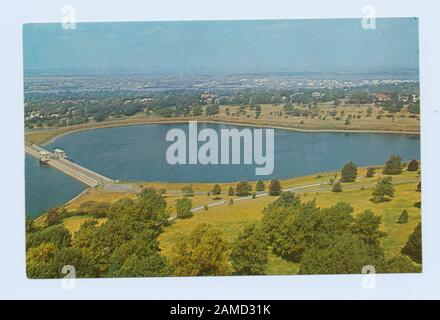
(224,46)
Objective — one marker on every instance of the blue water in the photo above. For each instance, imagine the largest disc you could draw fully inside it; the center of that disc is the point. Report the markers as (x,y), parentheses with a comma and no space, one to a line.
(139,153)
(46,187)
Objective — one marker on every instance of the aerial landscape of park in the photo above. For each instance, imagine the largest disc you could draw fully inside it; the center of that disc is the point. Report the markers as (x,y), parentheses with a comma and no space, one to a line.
(338,108)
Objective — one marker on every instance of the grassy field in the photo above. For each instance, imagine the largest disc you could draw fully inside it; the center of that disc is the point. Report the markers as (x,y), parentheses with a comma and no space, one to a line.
(379,120)
(73,224)
(230,219)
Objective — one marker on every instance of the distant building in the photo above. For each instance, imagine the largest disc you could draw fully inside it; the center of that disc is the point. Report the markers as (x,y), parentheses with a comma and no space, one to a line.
(382,97)
(316,95)
(209,97)
(60,154)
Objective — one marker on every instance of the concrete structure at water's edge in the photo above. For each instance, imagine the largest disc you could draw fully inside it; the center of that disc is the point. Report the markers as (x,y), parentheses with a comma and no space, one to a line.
(58,160)
(60,154)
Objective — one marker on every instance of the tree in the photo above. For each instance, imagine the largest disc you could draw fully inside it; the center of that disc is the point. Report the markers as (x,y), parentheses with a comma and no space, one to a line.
(370,172)
(47,261)
(202,253)
(413,246)
(403,218)
(413,165)
(183,208)
(400,264)
(384,188)
(29,225)
(124,245)
(275,188)
(138,257)
(216,191)
(53,216)
(349,172)
(260,186)
(347,254)
(249,252)
(367,228)
(82,261)
(393,165)
(38,261)
(243,189)
(57,235)
(419,187)
(337,187)
(231,191)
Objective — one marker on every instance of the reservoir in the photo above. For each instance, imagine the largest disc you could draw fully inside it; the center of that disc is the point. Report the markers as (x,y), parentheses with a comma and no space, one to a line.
(139,153)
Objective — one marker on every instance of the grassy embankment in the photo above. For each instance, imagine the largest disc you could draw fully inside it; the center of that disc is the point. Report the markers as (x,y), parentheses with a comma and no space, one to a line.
(379,120)
(231,219)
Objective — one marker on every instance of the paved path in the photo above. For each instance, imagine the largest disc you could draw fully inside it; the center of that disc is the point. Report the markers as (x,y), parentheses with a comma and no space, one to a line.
(317,187)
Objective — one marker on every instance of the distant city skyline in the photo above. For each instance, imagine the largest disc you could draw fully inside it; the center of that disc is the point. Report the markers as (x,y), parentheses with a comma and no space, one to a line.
(204,47)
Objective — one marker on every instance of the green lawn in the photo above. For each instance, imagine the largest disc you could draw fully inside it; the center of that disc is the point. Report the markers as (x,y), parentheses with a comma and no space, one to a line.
(231,219)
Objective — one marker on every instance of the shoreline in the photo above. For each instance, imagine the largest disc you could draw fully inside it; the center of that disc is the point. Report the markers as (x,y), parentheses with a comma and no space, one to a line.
(124,123)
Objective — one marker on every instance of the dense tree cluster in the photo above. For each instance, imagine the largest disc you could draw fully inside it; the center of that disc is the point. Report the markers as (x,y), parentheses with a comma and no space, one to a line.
(64,107)
(325,240)
(125,245)
(330,240)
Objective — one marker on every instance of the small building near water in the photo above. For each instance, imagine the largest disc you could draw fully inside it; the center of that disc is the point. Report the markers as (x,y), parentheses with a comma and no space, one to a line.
(60,154)
(43,156)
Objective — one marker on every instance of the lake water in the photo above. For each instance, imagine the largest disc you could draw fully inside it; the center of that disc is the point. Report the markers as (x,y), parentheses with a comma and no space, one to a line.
(139,153)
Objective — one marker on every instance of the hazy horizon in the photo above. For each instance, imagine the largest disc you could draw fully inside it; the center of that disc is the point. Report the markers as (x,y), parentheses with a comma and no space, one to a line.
(223,47)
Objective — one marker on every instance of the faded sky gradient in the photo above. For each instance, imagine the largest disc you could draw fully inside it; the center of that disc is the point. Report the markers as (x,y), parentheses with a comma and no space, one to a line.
(224,46)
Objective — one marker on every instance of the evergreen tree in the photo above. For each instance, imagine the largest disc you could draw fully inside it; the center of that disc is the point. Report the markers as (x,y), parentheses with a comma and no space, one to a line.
(393,165)
(367,227)
(384,188)
(275,188)
(216,191)
(413,165)
(403,218)
(349,172)
(243,189)
(260,186)
(413,247)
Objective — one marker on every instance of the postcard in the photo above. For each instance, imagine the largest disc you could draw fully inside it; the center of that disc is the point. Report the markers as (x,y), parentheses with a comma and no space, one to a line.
(222,148)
